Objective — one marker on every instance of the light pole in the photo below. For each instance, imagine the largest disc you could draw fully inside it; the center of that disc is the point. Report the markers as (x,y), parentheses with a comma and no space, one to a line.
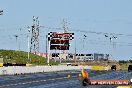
(16,41)
(28,43)
(114,46)
(46,48)
(75,53)
(84,37)
(113,43)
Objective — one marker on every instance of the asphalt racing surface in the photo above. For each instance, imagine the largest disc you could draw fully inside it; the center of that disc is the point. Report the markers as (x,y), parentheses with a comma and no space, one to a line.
(60,79)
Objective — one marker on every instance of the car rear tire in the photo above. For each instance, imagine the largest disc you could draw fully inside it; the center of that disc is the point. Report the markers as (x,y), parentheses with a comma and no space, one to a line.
(85,82)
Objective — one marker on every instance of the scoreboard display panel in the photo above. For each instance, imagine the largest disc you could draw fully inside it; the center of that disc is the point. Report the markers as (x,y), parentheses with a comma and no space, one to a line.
(58,41)
(59,47)
(61,35)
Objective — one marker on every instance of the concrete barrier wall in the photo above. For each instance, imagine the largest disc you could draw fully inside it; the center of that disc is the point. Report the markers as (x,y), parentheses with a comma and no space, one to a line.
(98,68)
(34,69)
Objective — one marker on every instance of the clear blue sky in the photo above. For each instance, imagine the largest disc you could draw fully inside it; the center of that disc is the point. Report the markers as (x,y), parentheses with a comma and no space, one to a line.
(109,16)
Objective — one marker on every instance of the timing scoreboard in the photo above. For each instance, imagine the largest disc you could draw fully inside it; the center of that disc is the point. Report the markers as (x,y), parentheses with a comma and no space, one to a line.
(60,41)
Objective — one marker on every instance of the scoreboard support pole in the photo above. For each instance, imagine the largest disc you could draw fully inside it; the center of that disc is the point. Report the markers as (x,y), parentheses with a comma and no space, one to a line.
(48,52)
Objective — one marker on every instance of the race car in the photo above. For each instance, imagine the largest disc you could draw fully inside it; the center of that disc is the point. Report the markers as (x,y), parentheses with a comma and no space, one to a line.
(113,67)
(129,68)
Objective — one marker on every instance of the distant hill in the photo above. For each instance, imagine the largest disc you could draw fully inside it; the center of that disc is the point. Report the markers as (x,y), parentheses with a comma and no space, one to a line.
(21,57)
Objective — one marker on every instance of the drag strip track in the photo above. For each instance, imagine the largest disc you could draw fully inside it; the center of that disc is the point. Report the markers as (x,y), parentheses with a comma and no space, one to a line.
(60,80)
(74,83)
(114,75)
(119,75)
(31,80)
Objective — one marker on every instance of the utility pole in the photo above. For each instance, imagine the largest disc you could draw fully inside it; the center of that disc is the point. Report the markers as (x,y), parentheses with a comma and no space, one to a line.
(55,54)
(35,35)
(65,28)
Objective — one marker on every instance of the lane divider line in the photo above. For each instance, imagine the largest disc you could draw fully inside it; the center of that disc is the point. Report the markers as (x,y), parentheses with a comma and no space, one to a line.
(24,83)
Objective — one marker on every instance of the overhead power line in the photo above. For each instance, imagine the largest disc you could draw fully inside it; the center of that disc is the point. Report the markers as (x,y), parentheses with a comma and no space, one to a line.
(88,31)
